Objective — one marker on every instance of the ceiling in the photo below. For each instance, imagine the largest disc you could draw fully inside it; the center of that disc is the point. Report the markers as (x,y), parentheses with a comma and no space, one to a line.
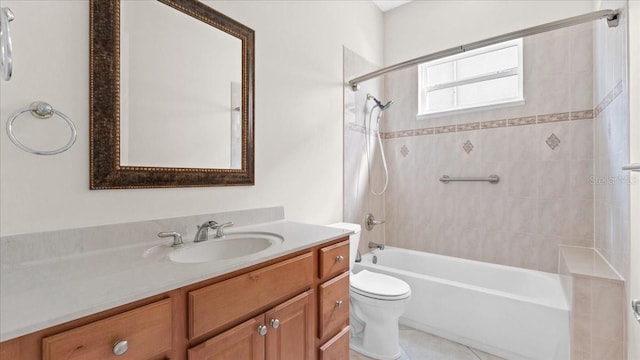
(386,5)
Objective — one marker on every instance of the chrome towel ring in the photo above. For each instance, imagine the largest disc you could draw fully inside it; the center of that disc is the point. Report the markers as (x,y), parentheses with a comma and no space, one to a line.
(42,110)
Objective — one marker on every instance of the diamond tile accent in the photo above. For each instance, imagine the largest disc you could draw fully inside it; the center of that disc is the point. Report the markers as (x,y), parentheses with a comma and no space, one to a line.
(553,141)
(404,151)
(468,146)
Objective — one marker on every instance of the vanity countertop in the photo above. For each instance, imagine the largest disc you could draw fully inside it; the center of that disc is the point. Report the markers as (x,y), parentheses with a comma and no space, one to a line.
(39,294)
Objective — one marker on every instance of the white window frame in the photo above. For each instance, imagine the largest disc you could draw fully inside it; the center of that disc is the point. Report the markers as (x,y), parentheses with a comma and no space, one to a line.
(423,89)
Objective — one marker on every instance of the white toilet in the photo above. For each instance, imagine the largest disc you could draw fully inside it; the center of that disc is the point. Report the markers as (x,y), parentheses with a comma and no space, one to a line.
(377,302)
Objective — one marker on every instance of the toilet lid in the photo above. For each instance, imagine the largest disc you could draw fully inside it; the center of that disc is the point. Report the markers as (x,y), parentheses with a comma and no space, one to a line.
(378,285)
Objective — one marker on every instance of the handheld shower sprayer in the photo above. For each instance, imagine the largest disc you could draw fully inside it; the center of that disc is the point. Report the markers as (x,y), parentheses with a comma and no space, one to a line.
(379,103)
(368,146)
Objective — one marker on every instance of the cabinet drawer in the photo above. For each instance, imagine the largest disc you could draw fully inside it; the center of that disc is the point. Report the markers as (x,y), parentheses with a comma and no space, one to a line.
(333,305)
(337,348)
(220,304)
(334,259)
(147,331)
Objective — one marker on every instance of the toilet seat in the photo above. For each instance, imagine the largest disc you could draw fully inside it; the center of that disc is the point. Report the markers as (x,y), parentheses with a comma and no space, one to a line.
(379,286)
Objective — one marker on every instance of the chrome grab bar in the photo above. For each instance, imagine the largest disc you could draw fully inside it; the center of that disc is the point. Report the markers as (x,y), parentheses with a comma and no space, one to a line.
(494,179)
(632,167)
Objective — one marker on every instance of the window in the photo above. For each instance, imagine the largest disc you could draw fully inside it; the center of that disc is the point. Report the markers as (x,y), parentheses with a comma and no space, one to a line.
(479,78)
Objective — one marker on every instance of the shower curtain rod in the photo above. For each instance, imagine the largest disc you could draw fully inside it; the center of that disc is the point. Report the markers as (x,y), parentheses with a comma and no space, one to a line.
(610,15)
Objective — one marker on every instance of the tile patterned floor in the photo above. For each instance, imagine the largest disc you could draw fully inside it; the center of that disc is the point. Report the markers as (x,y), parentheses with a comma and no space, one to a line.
(418,345)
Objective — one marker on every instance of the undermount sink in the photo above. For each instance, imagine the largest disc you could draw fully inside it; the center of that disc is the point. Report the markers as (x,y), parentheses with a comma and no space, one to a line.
(233,245)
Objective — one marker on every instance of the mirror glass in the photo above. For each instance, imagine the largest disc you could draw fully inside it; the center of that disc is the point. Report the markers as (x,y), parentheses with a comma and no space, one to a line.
(171,96)
(180,90)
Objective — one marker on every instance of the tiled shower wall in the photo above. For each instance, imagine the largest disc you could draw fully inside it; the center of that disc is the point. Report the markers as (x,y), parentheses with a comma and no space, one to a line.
(358,199)
(612,187)
(542,151)
(612,142)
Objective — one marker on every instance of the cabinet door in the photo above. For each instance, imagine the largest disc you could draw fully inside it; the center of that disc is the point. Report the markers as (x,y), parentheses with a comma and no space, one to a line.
(242,342)
(290,324)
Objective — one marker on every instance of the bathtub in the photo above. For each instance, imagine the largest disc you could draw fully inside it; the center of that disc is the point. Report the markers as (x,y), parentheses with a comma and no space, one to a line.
(511,312)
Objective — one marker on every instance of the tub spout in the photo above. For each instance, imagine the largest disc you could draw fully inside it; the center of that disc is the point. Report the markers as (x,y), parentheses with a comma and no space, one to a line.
(373,245)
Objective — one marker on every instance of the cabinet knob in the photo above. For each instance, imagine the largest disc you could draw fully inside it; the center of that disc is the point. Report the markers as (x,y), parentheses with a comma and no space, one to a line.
(339,258)
(120,347)
(338,304)
(275,323)
(262,330)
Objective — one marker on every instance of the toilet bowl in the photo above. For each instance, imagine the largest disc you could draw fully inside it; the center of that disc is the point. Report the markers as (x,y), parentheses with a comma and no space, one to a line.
(377,301)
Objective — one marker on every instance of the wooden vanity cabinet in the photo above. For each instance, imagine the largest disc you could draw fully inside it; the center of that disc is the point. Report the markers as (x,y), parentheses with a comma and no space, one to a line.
(306,292)
(148,325)
(333,301)
(213,307)
(284,332)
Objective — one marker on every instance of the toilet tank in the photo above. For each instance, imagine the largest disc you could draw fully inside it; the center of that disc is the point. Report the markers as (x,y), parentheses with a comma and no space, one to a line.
(354,240)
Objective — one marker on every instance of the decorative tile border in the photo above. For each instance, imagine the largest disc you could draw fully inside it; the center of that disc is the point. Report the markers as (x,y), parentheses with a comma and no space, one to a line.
(467,127)
(529,120)
(617,90)
(553,117)
(444,129)
(356,128)
(494,124)
(580,115)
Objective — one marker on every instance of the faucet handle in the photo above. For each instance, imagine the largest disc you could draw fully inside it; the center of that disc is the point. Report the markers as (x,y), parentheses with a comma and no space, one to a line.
(220,228)
(177,238)
(370,221)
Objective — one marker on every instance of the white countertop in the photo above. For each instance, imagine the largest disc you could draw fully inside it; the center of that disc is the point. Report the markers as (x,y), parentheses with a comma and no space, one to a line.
(39,294)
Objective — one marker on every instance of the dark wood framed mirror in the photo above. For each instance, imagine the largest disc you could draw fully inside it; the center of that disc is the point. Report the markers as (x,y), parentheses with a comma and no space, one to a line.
(142,136)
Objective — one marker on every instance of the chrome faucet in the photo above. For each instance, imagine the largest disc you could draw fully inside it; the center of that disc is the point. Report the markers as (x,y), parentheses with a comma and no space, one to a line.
(220,228)
(373,245)
(203,230)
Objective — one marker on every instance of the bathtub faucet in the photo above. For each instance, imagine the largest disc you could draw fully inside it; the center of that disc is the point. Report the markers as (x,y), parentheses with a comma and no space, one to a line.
(373,245)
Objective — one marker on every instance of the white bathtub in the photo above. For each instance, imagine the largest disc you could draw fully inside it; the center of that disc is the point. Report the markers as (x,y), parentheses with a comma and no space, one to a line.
(511,312)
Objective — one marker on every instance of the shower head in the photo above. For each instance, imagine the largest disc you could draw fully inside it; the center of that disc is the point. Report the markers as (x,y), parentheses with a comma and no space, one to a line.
(378,103)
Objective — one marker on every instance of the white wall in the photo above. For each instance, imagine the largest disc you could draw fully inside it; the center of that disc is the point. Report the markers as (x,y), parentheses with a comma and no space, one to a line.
(298,117)
(422,27)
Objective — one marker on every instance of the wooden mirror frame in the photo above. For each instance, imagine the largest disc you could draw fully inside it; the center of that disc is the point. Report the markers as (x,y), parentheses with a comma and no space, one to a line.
(105,169)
